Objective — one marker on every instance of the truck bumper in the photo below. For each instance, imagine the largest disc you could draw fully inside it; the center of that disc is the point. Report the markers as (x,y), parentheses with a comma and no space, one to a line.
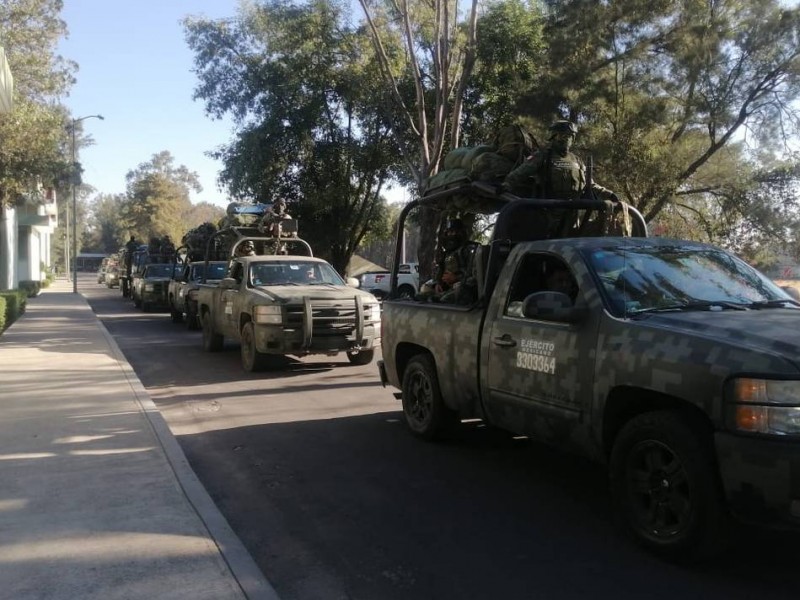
(761,478)
(277,340)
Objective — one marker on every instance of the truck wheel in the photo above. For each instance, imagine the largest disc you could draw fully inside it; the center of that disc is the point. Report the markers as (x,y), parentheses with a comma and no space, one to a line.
(665,487)
(252,360)
(192,320)
(177,316)
(361,357)
(406,291)
(425,412)
(212,341)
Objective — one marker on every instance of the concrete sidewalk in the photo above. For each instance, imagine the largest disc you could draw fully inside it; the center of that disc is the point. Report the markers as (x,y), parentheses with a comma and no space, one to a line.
(97,499)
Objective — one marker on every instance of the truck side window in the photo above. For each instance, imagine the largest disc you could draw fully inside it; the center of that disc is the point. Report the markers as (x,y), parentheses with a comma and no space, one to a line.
(539,273)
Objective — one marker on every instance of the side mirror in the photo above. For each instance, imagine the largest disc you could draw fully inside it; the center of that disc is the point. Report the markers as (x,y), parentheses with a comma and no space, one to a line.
(353,282)
(552,306)
(229,283)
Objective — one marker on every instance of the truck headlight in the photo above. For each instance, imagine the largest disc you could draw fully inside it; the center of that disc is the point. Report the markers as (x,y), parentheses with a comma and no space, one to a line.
(149,287)
(268,315)
(373,313)
(767,406)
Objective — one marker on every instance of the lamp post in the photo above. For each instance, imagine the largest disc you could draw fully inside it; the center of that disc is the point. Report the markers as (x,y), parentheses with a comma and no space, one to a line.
(75,204)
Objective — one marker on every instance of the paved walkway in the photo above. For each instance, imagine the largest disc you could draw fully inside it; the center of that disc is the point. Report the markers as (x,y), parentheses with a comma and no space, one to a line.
(97,499)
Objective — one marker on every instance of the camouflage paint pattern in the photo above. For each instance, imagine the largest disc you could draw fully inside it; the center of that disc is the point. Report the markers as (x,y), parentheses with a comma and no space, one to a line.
(553,380)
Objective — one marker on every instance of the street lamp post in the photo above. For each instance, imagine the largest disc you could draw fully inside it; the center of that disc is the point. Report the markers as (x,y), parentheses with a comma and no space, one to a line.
(75,204)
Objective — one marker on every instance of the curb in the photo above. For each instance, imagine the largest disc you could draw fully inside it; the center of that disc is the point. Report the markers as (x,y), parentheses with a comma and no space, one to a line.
(251,580)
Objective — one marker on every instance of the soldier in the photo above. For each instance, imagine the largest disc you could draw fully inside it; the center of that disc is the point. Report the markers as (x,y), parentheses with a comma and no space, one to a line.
(455,284)
(246,249)
(555,171)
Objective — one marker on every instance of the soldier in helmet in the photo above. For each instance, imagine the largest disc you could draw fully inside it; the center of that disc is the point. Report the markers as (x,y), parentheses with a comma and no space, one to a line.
(555,171)
(455,283)
(246,248)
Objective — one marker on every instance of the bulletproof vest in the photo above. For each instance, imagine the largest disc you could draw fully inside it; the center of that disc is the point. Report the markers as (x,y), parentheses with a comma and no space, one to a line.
(563,176)
(458,261)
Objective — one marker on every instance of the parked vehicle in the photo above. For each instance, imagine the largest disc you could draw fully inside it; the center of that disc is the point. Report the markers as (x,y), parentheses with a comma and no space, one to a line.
(378,282)
(149,286)
(112,276)
(182,292)
(287,304)
(672,362)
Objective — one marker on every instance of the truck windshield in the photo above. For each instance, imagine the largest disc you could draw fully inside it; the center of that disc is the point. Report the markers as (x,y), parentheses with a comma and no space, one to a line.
(646,279)
(293,272)
(165,270)
(215,271)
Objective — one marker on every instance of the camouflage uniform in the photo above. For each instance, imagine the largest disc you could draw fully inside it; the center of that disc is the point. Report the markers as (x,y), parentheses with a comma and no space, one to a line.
(455,283)
(554,172)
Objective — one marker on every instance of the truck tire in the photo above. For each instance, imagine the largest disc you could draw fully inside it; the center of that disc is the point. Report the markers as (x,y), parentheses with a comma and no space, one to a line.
(665,486)
(252,360)
(192,320)
(425,413)
(175,315)
(406,291)
(361,357)
(212,341)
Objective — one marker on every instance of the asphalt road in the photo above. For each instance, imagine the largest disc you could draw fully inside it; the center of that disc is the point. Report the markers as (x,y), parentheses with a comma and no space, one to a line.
(314,470)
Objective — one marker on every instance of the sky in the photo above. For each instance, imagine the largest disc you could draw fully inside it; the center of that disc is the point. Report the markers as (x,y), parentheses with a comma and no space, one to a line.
(135,69)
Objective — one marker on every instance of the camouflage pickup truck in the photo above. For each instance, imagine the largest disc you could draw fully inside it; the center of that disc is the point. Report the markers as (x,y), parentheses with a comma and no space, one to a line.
(673,363)
(277,305)
(183,287)
(149,286)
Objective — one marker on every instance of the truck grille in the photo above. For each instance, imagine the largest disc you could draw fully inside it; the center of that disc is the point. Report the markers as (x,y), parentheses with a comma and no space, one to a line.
(329,317)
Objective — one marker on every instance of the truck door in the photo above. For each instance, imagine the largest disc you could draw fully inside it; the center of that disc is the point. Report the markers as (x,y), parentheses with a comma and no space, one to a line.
(539,374)
(231,302)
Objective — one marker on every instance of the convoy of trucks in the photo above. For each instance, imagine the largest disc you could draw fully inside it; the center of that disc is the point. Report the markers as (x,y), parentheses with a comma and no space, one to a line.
(672,363)
(258,285)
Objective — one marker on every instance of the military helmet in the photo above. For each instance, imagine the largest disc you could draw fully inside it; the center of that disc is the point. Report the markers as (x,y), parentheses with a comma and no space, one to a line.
(563,126)
(455,234)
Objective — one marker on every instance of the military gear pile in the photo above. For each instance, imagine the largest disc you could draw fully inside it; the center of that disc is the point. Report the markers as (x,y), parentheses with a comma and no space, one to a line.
(488,163)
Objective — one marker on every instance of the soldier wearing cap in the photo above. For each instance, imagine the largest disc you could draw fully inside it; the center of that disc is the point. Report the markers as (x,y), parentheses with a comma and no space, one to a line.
(555,172)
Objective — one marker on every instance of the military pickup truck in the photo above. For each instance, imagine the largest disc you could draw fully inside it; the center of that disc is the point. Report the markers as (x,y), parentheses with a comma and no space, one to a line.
(149,286)
(673,363)
(182,291)
(287,304)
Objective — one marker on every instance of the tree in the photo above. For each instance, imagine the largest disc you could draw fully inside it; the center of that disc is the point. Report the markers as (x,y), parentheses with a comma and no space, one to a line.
(157,198)
(32,136)
(668,93)
(436,62)
(301,85)
(107,228)
(510,58)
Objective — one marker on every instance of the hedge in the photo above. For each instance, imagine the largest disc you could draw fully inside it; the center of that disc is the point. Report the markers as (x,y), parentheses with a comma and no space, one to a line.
(12,305)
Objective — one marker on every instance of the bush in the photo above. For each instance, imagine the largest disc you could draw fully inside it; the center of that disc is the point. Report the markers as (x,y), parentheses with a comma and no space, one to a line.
(2,313)
(31,288)
(14,301)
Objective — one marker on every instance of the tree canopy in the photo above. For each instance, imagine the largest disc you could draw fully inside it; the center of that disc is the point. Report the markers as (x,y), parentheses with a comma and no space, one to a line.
(32,135)
(302,86)
(157,201)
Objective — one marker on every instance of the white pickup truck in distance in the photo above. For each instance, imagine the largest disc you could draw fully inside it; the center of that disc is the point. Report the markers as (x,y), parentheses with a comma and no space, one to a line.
(379,283)
(277,305)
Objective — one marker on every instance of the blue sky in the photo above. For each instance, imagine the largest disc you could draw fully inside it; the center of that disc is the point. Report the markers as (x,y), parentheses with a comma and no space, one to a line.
(136,71)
